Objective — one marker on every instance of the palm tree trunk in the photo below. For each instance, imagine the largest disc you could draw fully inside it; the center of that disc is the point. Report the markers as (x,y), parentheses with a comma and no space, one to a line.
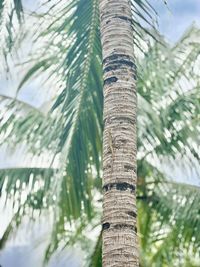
(120,242)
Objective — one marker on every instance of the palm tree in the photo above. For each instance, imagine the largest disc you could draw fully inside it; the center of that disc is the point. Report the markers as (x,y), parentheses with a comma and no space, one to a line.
(74,123)
(120,245)
(87,47)
(164,219)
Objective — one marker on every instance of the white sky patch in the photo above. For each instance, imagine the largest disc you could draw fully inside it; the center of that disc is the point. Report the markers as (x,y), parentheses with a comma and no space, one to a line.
(176,17)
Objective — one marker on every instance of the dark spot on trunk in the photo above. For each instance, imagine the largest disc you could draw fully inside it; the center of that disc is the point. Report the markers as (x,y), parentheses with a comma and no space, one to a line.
(124,186)
(117,57)
(125,226)
(110,68)
(110,80)
(106,187)
(118,64)
(119,186)
(120,119)
(129,167)
(126,62)
(132,214)
(105,226)
(107,167)
(124,18)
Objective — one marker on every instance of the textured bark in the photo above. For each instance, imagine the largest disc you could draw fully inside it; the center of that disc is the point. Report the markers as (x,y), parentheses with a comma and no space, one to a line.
(120,242)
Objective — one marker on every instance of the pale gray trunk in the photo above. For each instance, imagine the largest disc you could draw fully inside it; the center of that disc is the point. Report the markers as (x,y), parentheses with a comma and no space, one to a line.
(120,242)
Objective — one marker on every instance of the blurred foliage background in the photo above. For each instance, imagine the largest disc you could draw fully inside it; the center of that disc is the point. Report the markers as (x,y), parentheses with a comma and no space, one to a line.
(54,136)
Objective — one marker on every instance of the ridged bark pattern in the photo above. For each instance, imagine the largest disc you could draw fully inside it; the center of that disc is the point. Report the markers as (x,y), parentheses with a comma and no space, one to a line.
(120,242)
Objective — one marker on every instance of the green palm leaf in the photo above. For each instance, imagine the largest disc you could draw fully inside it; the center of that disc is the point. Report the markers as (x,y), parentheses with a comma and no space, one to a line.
(11,16)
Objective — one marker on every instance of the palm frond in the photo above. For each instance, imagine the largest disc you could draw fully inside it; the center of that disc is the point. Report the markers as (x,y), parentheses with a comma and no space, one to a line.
(24,124)
(24,188)
(78,106)
(168,219)
(11,16)
(173,108)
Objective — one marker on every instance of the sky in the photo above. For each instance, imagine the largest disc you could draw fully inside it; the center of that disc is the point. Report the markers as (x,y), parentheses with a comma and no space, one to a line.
(173,20)
(176,17)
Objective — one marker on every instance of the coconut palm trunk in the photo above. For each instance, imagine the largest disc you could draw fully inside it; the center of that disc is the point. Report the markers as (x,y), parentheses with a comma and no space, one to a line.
(120,246)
